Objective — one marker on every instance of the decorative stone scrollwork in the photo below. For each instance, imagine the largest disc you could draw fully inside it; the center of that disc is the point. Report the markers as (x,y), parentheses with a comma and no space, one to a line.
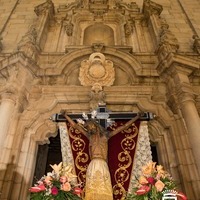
(98,47)
(152,8)
(30,36)
(196,45)
(130,7)
(97,96)
(168,42)
(128,28)
(68,27)
(28,43)
(166,37)
(96,70)
(42,8)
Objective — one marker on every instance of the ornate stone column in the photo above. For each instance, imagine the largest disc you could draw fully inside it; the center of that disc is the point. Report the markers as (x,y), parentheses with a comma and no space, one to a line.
(190,115)
(7,106)
(13,99)
(8,101)
(181,97)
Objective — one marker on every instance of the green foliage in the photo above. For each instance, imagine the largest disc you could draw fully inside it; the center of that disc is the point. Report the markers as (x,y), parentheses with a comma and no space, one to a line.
(62,195)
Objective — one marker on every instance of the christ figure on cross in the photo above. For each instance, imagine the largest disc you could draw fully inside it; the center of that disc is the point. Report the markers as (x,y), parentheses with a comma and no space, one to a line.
(98,182)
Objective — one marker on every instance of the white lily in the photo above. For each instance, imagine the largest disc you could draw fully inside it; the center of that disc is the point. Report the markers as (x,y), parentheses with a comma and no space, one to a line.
(57,168)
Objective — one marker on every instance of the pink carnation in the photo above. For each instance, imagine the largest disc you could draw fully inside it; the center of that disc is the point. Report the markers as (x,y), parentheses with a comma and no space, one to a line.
(151,180)
(54,190)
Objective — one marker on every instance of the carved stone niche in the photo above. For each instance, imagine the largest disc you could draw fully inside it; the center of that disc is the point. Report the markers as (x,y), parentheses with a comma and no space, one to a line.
(96,70)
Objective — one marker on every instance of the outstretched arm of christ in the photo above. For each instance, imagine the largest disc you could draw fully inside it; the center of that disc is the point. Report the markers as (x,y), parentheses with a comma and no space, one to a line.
(75,125)
(125,126)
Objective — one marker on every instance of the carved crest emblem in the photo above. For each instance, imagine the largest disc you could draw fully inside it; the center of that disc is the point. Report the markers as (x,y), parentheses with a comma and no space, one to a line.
(96,70)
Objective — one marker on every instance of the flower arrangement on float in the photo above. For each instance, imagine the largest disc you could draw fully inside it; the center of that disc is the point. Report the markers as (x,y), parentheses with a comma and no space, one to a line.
(155,183)
(56,185)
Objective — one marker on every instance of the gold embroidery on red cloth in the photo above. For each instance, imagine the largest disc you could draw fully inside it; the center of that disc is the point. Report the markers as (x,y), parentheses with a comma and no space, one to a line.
(81,159)
(125,160)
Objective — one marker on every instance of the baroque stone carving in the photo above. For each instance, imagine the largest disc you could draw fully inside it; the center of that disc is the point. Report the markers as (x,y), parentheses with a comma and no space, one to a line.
(42,8)
(28,43)
(128,28)
(168,42)
(96,70)
(196,45)
(152,8)
(68,27)
(97,96)
(130,7)
(98,47)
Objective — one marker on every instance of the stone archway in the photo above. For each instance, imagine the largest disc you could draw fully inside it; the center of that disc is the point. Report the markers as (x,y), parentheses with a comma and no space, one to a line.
(41,128)
(35,126)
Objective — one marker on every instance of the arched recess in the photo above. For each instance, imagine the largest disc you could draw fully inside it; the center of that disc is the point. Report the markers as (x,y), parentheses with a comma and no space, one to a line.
(162,137)
(40,128)
(124,63)
(104,33)
(37,132)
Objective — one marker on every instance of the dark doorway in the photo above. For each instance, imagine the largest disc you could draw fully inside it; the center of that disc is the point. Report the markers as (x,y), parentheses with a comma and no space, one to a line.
(154,153)
(47,154)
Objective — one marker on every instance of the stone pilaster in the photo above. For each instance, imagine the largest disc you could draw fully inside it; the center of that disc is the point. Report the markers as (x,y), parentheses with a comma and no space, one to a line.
(45,12)
(8,101)
(191,117)
(152,17)
(181,97)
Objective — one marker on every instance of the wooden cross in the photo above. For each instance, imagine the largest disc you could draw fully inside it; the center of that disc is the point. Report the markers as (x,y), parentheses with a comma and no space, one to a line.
(104,116)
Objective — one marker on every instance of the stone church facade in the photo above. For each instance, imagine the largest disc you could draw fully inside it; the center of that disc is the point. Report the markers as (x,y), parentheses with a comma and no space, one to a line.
(73,54)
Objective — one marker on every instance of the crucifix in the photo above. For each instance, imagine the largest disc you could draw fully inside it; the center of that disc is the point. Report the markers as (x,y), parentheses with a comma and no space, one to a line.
(104,116)
(97,170)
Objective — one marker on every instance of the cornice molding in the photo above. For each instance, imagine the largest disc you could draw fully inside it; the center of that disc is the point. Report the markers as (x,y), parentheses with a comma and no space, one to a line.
(19,59)
(178,62)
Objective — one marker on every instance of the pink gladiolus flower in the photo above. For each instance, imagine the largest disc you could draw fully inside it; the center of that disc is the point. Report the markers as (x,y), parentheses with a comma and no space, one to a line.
(143,190)
(54,190)
(38,188)
(151,180)
(63,179)
(182,196)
